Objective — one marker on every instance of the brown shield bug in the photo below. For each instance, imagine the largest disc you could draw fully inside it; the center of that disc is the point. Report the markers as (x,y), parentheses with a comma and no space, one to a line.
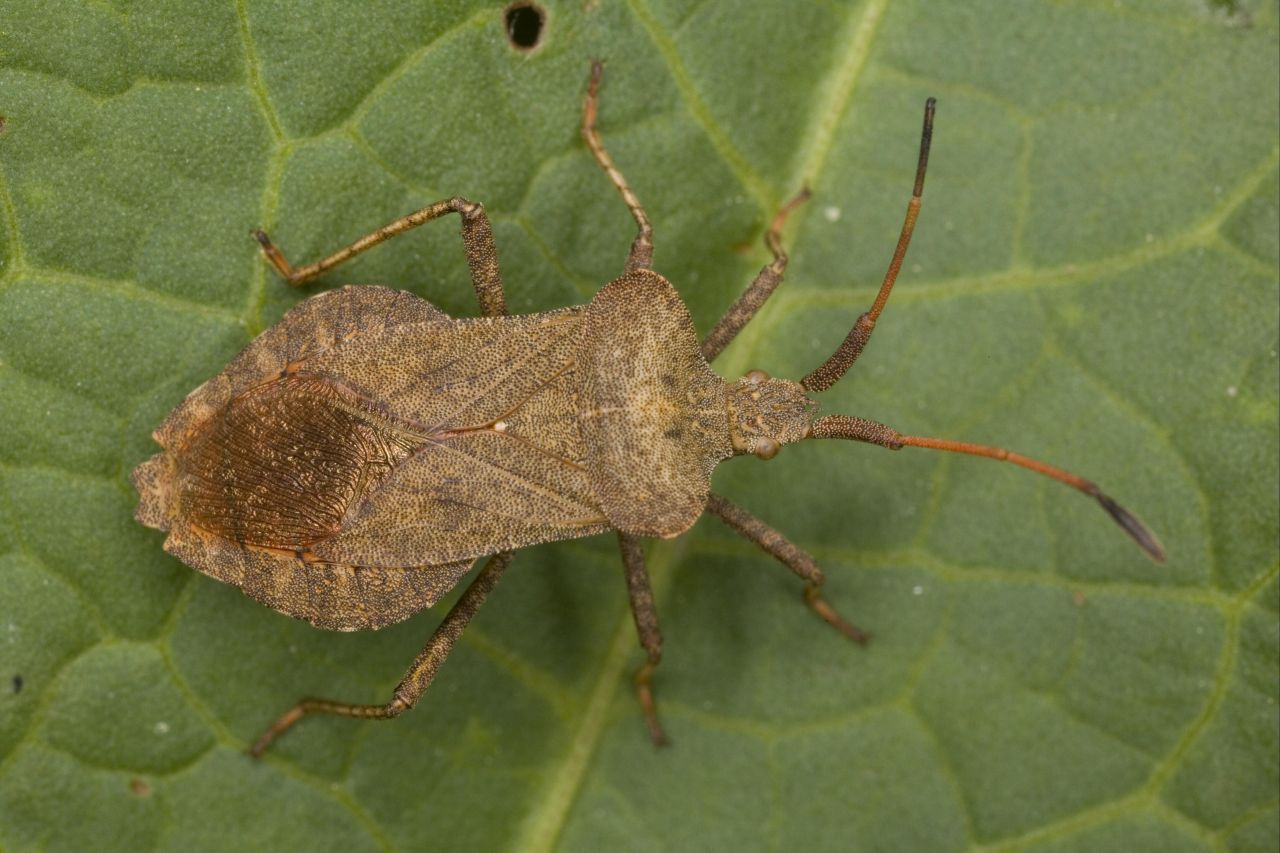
(358,457)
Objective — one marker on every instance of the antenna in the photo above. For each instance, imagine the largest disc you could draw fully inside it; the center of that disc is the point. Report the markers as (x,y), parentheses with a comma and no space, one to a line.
(842,359)
(872,432)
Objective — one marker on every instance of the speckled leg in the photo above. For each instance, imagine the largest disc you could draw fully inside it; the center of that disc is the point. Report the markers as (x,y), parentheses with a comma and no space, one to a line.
(794,558)
(761,288)
(420,674)
(641,255)
(477,237)
(646,616)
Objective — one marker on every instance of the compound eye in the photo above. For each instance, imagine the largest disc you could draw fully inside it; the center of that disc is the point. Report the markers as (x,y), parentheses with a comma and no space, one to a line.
(756,377)
(767,448)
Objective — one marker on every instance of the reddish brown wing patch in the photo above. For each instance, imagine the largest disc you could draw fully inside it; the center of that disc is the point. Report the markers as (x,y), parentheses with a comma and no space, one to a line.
(281,464)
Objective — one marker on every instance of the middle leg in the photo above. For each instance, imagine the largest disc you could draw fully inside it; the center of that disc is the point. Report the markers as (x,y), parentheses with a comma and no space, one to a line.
(646,617)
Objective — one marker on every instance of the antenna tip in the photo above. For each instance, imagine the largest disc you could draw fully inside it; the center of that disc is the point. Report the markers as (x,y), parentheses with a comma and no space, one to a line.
(1138,531)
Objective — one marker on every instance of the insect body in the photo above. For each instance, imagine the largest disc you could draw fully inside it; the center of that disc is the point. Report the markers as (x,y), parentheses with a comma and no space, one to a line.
(359,456)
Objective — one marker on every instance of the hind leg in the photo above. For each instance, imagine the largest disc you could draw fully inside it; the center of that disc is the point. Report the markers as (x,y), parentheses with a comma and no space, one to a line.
(477,239)
(420,674)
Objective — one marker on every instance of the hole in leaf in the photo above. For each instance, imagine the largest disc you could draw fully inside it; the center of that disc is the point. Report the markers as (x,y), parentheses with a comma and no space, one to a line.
(524,25)
(17,679)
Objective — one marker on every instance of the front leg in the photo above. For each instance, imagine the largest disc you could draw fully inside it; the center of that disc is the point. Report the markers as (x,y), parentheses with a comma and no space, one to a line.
(761,288)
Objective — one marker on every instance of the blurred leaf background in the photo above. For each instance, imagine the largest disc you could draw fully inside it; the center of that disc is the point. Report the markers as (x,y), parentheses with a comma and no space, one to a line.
(1093,281)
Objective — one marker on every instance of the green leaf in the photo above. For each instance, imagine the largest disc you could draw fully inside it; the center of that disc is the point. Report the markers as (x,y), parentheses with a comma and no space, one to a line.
(1094,281)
